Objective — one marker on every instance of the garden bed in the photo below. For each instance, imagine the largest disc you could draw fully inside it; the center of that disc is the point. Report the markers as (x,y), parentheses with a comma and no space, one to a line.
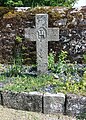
(61,90)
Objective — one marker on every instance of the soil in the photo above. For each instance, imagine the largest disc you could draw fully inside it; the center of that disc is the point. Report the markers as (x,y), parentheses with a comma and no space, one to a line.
(11,114)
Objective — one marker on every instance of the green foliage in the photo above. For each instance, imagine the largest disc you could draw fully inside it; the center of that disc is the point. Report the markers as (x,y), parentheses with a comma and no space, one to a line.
(39,83)
(34,3)
(28,83)
(16,68)
(68,75)
(51,62)
(61,66)
(84,80)
(81,116)
(63,56)
(18,39)
(71,86)
(13,3)
(84,56)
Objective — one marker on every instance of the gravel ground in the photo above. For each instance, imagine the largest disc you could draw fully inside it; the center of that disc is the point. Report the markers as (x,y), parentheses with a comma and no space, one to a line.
(11,114)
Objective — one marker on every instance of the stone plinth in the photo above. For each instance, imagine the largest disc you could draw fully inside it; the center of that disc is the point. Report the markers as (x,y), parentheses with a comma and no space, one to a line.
(24,101)
(53,103)
(75,105)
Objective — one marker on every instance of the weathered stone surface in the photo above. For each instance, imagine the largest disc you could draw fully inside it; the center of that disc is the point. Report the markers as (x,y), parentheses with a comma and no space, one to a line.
(71,22)
(24,9)
(41,34)
(53,103)
(24,101)
(75,104)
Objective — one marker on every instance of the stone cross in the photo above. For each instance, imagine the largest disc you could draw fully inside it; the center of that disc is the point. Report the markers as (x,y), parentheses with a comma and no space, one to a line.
(42,34)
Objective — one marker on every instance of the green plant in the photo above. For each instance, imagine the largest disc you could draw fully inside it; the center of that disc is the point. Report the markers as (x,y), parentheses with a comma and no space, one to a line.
(16,67)
(34,3)
(51,62)
(61,65)
(12,3)
(30,83)
(84,80)
(84,56)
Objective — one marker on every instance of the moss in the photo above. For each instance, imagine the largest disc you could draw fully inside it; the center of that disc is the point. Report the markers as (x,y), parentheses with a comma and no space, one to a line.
(52,11)
(10,14)
(3,10)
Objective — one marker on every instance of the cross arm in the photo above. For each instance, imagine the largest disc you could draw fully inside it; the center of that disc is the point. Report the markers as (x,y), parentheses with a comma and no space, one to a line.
(53,34)
(30,33)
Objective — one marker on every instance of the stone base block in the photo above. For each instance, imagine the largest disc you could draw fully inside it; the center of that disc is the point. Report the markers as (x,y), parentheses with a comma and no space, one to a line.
(53,103)
(75,105)
(24,101)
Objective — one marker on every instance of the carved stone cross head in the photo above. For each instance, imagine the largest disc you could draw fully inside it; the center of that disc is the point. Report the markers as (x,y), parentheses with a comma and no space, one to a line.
(42,34)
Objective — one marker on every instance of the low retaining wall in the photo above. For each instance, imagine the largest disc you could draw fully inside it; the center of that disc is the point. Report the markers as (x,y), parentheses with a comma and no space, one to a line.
(69,104)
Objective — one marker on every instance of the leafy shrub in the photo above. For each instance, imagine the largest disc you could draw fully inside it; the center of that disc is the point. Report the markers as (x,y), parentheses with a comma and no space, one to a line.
(12,3)
(34,3)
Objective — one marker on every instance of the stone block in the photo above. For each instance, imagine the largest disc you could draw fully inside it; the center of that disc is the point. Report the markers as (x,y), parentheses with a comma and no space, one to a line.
(24,101)
(53,103)
(75,104)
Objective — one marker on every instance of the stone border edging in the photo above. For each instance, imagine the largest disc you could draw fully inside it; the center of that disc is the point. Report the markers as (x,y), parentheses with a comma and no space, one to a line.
(47,103)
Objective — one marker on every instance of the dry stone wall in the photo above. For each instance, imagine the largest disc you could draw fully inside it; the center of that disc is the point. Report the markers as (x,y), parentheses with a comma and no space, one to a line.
(71,22)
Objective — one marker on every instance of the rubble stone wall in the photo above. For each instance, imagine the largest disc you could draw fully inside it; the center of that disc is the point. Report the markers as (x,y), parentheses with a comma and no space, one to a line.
(72,36)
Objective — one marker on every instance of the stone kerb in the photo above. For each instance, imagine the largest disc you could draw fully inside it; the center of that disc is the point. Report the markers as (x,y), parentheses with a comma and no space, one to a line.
(75,105)
(23,101)
(47,103)
(34,101)
(54,103)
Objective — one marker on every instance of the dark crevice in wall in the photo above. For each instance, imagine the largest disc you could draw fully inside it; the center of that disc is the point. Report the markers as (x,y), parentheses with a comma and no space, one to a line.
(43,103)
(65,105)
(1,98)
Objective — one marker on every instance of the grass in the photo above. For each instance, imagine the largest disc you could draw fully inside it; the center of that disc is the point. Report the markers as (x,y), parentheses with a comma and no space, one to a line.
(70,80)
(27,83)
(43,83)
